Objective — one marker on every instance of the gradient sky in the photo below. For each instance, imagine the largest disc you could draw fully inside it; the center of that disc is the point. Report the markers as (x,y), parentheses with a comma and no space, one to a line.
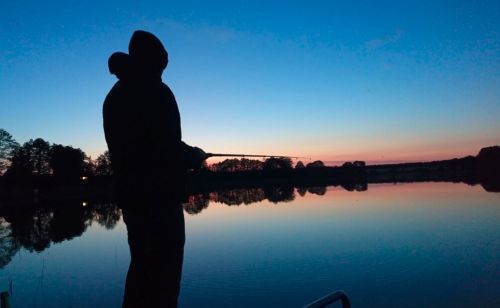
(378,81)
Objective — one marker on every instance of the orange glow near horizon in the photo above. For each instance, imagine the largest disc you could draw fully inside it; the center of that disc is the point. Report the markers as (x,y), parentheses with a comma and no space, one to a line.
(372,157)
(340,151)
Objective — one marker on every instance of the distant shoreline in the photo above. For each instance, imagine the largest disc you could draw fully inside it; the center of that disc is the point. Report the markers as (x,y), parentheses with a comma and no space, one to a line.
(483,169)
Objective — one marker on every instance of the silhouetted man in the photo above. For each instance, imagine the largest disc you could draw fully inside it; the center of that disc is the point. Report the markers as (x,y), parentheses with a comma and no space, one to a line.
(149,160)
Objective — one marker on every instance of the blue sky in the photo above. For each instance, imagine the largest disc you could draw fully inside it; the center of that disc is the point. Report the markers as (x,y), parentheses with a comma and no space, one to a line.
(328,79)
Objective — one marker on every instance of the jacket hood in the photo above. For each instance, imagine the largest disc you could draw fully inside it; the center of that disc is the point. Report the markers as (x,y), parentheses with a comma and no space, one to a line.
(147,52)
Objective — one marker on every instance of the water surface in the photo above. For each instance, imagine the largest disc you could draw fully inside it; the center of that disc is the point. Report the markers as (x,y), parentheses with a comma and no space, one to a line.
(405,245)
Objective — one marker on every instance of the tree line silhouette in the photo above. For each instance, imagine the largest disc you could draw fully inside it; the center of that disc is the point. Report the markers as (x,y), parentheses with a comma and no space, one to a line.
(271,163)
(38,157)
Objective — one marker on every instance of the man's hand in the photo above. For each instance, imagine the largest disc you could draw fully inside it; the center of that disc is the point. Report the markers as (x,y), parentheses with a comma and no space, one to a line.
(199,156)
(195,157)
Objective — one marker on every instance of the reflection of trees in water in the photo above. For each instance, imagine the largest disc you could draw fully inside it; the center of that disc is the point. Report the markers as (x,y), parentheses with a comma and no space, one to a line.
(302,191)
(9,246)
(355,186)
(238,196)
(67,223)
(317,190)
(280,194)
(196,203)
(106,214)
(36,228)
(32,230)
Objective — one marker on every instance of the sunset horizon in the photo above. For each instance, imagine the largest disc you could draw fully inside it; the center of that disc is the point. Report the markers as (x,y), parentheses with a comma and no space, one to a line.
(334,82)
(239,153)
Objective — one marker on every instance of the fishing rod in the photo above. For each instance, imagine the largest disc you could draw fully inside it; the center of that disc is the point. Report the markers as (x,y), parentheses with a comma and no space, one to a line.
(253,155)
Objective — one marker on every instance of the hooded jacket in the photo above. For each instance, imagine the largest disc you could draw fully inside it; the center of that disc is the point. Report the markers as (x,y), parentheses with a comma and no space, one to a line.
(142,122)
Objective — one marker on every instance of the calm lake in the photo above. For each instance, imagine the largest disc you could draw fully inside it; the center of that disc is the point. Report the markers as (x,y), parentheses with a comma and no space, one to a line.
(404,245)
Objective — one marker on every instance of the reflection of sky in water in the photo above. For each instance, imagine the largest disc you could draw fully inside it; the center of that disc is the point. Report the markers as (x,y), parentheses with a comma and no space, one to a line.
(390,241)
(85,271)
(407,245)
